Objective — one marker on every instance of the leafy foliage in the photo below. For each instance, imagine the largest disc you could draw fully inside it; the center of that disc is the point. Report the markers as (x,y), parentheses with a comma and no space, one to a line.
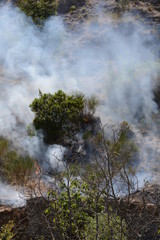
(59,115)
(122,145)
(39,10)
(79,207)
(72,8)
(70,217)
(6,232)
(91,105)
(3,149)
(84,200)
(18,168)
(109,227)
(15,167)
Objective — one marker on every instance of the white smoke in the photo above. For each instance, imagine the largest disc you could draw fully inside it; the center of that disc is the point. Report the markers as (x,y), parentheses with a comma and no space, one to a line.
(109,60)
(54,156)
(10,196)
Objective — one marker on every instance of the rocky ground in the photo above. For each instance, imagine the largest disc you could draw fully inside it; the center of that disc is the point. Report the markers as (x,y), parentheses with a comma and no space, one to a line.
(29,221)
(143,212)
(148,11)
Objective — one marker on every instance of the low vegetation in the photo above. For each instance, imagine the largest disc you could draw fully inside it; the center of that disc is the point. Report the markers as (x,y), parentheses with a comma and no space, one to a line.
(17,169)
(84,203)
(38,10)
(123,5)
(6,231)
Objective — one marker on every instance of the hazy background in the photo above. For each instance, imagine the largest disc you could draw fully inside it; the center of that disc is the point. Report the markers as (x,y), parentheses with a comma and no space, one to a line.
(114,61)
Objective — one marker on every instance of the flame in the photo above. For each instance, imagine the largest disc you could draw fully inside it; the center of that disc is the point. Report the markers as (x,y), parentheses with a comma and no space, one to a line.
(37,168)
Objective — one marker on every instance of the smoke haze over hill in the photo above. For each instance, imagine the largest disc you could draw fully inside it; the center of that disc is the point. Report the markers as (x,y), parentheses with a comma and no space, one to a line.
(114,61)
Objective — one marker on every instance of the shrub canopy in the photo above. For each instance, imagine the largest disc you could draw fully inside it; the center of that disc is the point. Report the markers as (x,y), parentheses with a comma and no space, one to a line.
(58,115)
(39,10)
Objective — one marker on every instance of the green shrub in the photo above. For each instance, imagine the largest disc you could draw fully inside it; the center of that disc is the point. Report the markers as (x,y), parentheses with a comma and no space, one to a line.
(31,130)
(6,232)
(3,149)
(13,166)
(87,135)
(91,105)
(70,217)
(72,8)
(18,168)
(110,227)
(81,208)
(58,115)
(39,10)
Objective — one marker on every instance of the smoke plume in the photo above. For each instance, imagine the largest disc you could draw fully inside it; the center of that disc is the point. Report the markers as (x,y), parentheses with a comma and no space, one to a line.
(115,61)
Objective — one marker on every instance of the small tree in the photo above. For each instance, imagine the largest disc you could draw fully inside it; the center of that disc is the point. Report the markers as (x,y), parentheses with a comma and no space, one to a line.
(58,115)
(82,204)
(39,10)
(69,209)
